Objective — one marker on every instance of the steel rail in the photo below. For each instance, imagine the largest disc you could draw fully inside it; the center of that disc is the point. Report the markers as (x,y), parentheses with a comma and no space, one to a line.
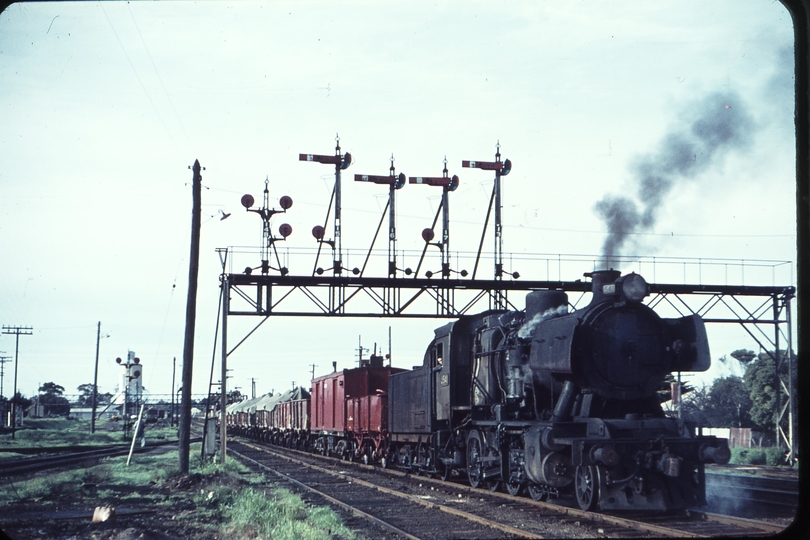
(615,520)
(453,511)
(347,507)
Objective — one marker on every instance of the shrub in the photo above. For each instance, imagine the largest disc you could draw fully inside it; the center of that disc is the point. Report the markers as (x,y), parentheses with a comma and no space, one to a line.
(747,456)
(772,456)
(775,456)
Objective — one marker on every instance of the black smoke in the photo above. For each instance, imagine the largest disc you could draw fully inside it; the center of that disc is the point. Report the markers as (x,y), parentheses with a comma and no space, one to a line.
(712,127)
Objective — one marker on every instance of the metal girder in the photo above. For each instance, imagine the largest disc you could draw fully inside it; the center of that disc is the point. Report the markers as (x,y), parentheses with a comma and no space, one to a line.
(343,296)
(267,295)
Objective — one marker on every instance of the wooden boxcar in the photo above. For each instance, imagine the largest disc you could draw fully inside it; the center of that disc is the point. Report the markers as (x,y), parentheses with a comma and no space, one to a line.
(349,411)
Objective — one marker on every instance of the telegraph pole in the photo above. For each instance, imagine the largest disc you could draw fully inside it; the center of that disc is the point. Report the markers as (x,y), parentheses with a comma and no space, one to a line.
(95,382)
(18,331)
(191,312)
(3,360)
(171,413)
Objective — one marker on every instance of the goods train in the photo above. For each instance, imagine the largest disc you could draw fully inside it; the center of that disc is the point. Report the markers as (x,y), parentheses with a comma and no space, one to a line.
(555,402)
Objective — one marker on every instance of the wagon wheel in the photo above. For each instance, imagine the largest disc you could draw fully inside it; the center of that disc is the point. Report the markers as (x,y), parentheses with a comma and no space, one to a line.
(537,493)
(513,488)
(586,485)
(494,485)
(475,469)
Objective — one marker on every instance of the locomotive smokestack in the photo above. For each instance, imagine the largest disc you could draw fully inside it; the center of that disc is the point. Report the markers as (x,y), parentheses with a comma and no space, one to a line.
(599,279)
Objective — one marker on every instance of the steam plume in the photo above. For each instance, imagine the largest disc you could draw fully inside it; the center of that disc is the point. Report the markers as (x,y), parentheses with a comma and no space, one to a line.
(722,125)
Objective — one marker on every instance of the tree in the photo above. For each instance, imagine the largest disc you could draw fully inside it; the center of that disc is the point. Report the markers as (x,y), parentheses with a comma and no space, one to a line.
(665,390)
(693,406)
(21,401)
(85,398)
(761,381)
(728,404)
(52,399)
(52,389)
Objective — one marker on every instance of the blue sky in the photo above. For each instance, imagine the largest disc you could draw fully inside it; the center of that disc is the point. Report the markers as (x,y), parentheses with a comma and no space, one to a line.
(104,106)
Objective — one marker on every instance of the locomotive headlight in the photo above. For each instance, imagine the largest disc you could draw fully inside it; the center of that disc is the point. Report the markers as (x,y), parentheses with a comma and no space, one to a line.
(633,287)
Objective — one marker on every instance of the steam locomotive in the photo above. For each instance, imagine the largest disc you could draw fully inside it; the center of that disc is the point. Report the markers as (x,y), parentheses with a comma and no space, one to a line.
(559,403)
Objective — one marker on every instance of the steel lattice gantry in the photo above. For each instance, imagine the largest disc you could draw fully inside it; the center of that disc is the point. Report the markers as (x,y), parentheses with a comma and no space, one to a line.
(763,311)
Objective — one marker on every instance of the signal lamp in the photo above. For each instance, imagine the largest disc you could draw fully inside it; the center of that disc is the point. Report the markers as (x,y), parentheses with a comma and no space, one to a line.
(118,360)
(248,270)
(355,271)
(515,275)
(463,273)
(136,360)
(136,374)
(247,201)
(427,235)
(284,271)
(318,232)
(453,183)
(408,271)
(428,274)
(319,271)
(400,181)
(285,202)
(285,230)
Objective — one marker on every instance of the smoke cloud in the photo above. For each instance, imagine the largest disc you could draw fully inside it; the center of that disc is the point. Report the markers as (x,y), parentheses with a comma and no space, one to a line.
(721,124)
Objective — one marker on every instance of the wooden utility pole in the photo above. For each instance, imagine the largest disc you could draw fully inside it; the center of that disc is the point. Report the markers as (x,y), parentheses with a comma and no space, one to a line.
(95,382)
(191,313)
(17,330)
(171,413)
(3,360)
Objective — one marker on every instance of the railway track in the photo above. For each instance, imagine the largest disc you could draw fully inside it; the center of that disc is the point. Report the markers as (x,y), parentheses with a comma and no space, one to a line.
(422,503)
(21,466)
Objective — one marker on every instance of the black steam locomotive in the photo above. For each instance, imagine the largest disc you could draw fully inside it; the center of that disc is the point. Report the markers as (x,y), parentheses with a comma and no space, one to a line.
(559,403)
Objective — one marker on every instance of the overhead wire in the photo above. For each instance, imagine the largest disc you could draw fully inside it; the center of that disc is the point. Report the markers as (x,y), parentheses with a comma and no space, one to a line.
(138,78)
(160,80)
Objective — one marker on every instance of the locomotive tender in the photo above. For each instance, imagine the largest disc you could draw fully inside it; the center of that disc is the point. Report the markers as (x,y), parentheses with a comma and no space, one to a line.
(555,402)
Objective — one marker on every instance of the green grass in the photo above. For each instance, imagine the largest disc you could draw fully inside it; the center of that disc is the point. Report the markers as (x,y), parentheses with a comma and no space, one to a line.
(40,432)
(233,501)
(279,514)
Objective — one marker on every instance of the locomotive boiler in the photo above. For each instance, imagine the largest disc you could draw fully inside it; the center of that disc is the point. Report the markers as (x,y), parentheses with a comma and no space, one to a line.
(559,403)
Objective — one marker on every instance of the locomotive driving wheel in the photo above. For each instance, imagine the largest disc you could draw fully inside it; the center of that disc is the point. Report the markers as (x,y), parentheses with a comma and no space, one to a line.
(475,468)
(586,485)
